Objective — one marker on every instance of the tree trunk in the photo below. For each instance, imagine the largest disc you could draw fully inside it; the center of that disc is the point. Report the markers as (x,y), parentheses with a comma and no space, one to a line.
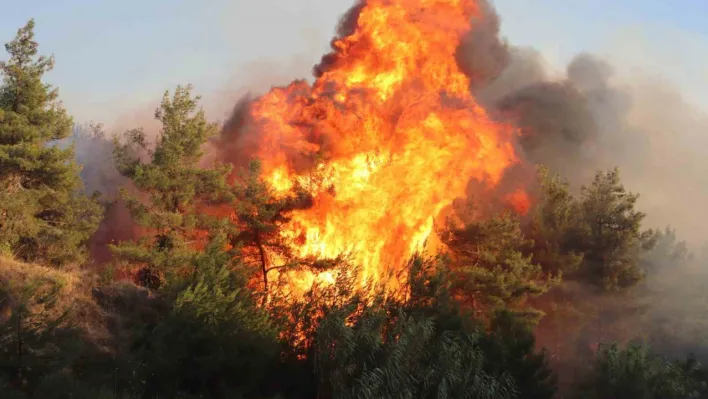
(19,347)
(264,268)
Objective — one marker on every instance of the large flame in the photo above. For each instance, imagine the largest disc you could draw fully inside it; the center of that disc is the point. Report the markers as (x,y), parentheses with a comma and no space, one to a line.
(386,137)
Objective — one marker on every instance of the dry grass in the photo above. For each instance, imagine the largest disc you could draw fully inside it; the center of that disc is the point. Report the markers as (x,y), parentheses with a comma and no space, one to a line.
(69,288)
(105,317)
(14,275)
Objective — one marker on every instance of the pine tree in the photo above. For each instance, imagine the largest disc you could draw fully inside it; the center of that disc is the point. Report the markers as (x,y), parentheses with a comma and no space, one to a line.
(375,353)
(175,189)
(667,254)
(259,216)
(613,239)
(510,348)
(43,213)
(491,267)
(507,340)
(214,341)
(554,228)
(635,372)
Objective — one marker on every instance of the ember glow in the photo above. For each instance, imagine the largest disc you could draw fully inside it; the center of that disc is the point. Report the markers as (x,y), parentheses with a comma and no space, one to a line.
(386,137)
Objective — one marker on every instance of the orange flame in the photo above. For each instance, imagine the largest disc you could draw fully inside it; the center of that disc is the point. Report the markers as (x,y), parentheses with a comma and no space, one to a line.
(386,137)
(520,201)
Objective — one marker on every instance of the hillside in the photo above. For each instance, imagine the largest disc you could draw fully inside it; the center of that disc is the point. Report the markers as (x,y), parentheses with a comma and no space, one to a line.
(63,318)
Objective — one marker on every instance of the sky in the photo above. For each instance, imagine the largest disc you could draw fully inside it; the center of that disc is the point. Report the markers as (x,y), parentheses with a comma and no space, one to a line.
(113,57)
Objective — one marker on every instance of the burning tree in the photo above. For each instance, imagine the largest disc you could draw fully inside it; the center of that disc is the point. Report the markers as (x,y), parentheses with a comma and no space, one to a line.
(260,216)
(390,126)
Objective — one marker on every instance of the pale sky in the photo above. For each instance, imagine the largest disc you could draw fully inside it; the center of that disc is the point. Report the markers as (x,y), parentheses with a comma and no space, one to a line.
(116,56)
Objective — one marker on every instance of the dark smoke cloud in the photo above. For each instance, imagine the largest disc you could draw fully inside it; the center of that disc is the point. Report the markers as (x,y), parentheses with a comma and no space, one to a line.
(563,122)
(345,27)
(595,118)
(234,145)
(483,54)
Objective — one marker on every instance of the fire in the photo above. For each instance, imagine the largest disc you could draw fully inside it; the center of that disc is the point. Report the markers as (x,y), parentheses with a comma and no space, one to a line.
(385,138)
(520,201)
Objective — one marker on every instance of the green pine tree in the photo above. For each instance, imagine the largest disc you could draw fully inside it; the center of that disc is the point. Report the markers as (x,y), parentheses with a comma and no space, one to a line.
(44,216)
(510,347)
(507,340)
(491,267)
(174,189)
(375,353)
(636,373)
(613,239)
(668,253)
(214,341)
(554,228)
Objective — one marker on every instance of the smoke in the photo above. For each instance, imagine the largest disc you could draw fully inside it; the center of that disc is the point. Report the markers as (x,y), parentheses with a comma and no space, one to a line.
(94,151)
(594,118)
(483,54)
(664,159)
(346,26)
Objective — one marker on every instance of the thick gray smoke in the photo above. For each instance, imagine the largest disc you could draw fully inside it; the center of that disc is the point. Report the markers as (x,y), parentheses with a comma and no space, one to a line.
(593,118)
